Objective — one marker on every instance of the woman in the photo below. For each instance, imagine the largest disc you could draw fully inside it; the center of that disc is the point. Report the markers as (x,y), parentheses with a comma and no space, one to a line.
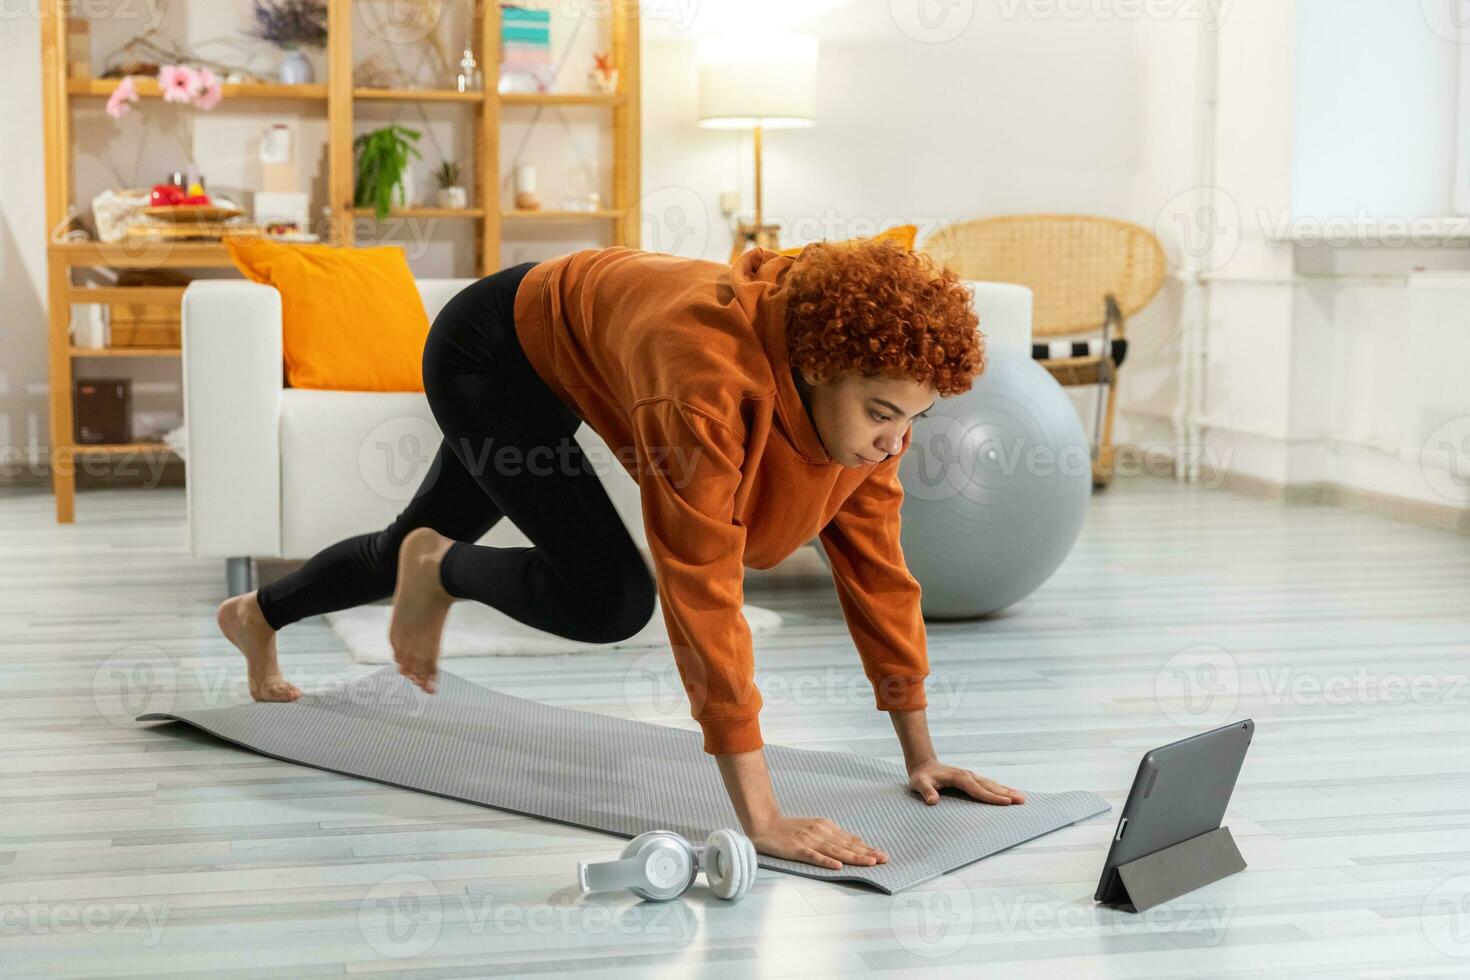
(757,405)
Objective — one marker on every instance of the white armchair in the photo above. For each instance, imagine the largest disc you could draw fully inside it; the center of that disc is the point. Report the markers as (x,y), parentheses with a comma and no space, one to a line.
(277,472)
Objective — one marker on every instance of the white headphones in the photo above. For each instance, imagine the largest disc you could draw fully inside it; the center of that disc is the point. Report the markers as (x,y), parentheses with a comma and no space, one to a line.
(660,865)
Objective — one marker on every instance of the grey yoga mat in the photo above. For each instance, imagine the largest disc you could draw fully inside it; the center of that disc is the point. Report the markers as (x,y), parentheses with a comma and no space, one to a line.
(481,746)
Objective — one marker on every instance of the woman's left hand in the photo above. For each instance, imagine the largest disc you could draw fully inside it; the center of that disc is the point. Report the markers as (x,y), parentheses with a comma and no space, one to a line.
(928,778)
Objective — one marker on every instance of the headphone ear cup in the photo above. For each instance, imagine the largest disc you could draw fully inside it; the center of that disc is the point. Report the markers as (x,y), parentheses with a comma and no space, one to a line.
(671,866)
(729,864)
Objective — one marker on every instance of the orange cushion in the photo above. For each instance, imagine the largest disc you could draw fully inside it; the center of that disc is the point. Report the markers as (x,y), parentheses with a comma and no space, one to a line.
(903,234)
(353,319)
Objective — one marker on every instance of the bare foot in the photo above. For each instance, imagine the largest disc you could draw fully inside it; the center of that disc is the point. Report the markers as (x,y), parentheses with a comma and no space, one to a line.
(242,622)
(420,606)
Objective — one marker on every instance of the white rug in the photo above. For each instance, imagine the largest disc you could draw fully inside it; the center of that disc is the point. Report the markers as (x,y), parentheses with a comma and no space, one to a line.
(476,630)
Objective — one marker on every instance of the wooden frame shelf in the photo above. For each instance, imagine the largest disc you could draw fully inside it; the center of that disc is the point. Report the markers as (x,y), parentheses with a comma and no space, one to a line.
(554,214)
(125,351)
(147,88)
(152,255)
(338,95)
(117,448)
(424,212)
(415,95)
(561,98)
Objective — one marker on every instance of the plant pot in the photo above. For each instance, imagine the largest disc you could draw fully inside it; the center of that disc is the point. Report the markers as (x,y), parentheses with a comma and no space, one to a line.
(296,69)
(453,197)
(403,196)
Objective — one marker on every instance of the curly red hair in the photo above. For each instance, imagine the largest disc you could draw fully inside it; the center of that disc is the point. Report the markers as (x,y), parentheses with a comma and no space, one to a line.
(877,308)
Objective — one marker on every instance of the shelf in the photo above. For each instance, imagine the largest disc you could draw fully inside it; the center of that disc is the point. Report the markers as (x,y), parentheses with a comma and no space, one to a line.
(558,98)
(335,109)
(149,295)
(115,448)
(152,255)
(147,88)
(424,212)
(551,214)
(416,95)
(125,351)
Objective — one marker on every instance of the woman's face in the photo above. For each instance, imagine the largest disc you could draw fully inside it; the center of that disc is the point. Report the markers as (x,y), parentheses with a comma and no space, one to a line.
(862,420)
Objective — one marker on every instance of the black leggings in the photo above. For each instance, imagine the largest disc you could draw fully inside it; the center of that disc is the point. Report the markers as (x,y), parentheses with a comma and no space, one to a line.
(507,450)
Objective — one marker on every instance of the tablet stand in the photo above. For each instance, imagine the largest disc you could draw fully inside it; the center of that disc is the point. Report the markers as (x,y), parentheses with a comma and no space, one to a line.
(1172,871)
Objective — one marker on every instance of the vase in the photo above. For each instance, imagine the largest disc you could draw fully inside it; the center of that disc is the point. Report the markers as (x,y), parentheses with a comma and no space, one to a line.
(403,195)
(296,69)
(453,197)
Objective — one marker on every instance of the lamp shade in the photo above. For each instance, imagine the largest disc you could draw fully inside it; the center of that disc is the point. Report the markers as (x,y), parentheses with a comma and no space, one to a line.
(747,80)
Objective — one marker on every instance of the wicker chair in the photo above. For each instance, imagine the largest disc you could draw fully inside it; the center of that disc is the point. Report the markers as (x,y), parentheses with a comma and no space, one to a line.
(1087,276)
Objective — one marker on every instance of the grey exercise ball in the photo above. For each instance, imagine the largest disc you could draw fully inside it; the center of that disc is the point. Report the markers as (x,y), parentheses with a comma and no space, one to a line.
(996,484)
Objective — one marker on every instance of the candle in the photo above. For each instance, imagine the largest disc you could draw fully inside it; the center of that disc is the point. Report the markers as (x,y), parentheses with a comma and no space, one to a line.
(525,179)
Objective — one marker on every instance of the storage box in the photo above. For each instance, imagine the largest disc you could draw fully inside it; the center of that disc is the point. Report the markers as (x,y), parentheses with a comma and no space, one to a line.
(102,409)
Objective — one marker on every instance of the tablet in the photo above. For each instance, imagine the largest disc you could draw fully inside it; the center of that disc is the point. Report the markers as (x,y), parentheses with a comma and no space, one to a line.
(1180,792)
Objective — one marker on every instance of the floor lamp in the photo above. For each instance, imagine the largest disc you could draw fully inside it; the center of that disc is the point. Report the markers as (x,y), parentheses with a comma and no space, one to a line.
(757,82)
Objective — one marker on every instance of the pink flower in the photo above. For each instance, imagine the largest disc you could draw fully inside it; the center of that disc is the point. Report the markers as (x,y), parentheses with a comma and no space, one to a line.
(210,90)
(117,102)
(179,83)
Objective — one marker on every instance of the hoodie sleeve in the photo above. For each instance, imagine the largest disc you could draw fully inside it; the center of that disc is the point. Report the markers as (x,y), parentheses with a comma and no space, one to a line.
(879,597)
(688,474)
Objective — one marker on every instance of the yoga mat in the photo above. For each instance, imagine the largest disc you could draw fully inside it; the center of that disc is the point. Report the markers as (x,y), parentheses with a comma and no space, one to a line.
(481,746)
(473,629)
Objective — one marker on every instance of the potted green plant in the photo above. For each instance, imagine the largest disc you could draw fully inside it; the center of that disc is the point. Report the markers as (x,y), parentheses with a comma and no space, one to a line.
(451,194)
(382,167)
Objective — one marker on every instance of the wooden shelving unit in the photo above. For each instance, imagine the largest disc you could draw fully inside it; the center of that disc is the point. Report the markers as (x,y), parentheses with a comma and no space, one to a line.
(338,94)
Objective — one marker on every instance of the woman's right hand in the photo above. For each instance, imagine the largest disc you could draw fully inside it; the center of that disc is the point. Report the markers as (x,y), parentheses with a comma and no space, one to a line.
(814,840)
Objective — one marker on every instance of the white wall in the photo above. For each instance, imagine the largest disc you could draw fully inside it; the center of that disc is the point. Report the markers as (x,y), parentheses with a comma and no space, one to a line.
(1016,113)
(1022,106)
(1338,362)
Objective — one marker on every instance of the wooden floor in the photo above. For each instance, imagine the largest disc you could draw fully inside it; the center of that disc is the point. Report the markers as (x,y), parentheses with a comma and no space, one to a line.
(129,850)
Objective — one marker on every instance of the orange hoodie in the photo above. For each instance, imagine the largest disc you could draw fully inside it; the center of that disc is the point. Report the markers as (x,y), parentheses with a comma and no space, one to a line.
(681,366)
